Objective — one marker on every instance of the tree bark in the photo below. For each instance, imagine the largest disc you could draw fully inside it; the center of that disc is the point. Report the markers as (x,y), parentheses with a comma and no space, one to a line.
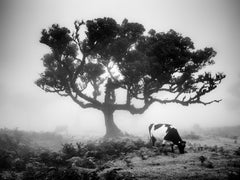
(112,131)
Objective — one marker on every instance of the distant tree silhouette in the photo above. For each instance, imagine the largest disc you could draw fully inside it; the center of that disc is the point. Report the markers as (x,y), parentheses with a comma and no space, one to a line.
(101,56)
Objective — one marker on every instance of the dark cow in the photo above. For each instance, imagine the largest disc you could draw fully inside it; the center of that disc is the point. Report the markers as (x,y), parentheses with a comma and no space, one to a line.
(166,133)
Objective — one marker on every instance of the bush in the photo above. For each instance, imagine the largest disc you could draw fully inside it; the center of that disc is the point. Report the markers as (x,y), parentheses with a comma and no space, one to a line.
(19,164)
(112,149)
(237,152)
(69,150)
(81,150)
(86,163)
(8,175)
(103,150)
(8,142)
(62,174)
(140,143)
(5,160)
(22,160)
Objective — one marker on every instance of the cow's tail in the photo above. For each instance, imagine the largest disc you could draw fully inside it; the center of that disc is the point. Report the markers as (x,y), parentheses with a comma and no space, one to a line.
(149,129)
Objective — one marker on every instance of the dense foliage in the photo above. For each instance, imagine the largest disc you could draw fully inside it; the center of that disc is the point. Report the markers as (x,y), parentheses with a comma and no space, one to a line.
(19,159)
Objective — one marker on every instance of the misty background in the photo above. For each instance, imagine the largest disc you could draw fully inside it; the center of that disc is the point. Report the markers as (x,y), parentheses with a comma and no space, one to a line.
(25,106)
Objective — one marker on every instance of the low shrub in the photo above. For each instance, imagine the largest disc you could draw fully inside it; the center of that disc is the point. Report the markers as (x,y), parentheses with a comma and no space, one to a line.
(19,164)
(103,150)
(237,152)
(5,160)
(109,149)
(69,150)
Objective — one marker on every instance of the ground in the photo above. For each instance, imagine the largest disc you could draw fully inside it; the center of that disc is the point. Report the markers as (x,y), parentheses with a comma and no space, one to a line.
(222,162)
(206,157)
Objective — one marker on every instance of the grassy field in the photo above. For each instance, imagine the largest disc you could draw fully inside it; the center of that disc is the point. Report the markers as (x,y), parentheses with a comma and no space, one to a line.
(222,161)
(40,156)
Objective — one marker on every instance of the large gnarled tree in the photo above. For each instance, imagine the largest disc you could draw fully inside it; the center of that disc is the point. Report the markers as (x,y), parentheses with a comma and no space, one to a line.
(101,56)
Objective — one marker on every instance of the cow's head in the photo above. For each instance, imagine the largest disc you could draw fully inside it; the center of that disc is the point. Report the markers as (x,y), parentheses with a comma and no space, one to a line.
(181,146)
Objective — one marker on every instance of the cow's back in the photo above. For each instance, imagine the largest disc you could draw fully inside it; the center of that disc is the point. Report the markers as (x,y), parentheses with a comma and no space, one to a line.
(159,131)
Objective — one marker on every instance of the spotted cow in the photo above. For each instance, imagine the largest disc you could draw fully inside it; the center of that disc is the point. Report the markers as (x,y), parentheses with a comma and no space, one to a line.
(166,133)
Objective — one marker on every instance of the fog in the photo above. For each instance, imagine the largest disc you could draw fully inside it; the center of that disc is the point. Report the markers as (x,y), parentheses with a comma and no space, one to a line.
(25,106)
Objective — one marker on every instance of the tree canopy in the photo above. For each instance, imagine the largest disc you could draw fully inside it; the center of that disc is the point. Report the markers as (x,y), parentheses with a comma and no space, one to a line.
(101,56)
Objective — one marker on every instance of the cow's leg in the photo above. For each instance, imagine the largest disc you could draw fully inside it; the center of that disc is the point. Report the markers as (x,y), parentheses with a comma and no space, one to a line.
(153,139)
(164,149)
(172,148)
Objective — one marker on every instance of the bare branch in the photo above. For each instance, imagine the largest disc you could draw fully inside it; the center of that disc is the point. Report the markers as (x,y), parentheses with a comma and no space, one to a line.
(131,108)
(84,96)
(83,105)
(185,102)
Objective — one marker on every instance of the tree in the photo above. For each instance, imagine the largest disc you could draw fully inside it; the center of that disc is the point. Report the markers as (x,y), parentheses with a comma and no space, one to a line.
(101,56)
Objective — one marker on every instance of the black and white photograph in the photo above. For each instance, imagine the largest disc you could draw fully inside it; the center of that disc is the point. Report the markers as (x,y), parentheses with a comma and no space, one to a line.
(119,89)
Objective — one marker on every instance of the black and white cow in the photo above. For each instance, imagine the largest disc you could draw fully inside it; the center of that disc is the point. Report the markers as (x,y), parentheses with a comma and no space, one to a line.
(166,133)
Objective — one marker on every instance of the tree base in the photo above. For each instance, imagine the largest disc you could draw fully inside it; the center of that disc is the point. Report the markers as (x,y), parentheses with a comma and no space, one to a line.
(112,131)
(114,135)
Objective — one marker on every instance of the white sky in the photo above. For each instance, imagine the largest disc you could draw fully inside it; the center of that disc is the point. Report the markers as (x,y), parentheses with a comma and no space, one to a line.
(209,23)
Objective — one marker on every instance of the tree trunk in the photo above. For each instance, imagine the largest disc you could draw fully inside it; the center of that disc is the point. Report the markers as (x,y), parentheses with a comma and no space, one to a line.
(112,131)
